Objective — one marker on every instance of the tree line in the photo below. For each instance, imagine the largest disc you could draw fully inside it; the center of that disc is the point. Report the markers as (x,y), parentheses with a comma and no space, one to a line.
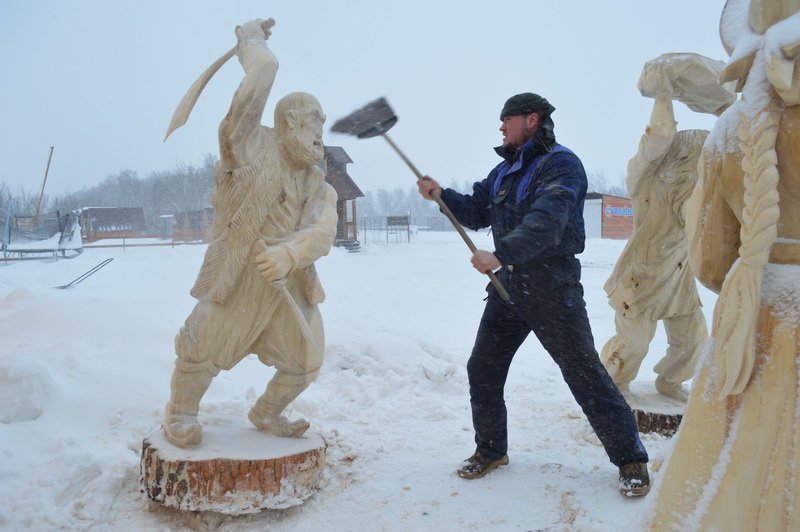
(188,187)
(185,188)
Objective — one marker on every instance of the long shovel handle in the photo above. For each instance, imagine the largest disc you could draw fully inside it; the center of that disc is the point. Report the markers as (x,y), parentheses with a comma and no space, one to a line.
(450,216)
(403,156)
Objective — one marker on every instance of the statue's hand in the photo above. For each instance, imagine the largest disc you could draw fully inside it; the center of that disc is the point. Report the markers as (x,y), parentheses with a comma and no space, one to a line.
(255,29)
(274,262)
(655,79)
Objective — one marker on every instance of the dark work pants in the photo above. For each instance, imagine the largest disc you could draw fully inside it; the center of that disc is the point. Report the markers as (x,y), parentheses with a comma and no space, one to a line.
(547,300)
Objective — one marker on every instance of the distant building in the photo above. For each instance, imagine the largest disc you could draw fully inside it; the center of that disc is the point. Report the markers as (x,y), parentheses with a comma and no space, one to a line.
(192,226)
(607,216)
(111,222)
(335,167)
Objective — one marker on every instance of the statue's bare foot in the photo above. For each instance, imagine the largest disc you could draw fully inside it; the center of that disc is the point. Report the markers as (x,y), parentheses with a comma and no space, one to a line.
(183,430)
(674,390)
(279,425)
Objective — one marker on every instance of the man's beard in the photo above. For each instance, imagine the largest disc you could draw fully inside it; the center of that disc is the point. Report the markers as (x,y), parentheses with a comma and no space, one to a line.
(303,150)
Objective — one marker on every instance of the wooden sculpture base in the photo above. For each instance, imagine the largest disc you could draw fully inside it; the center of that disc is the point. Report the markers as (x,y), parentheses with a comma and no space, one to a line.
(233,471)
(655,412)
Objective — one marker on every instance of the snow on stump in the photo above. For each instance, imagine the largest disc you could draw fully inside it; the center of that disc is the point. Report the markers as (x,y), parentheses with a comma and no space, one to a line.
(233,471)
(655,412)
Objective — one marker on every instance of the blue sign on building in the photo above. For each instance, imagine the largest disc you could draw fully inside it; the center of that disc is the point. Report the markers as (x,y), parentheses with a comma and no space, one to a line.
(619,211)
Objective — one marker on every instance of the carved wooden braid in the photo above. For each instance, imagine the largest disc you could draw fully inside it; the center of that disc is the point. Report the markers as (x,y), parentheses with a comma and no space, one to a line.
(737,309)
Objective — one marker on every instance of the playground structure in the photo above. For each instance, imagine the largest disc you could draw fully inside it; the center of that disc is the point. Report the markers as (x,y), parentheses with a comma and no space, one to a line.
(40,236)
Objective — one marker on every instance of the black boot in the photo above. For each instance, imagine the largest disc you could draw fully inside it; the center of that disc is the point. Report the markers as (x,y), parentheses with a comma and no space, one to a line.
(477,465)
(634,481)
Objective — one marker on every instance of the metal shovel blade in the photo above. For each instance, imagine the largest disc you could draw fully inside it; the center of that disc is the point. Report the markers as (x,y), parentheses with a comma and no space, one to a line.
(375,118)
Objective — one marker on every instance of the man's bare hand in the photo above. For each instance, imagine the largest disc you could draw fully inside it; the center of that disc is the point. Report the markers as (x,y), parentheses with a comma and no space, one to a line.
(485,261)
(428,187)
(273,262)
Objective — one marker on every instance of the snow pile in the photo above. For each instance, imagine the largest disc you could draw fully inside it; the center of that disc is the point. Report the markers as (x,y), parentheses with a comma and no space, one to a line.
(24,387)
(391,401)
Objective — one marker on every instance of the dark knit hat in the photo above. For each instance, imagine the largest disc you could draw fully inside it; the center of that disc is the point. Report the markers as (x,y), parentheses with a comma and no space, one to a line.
(527,103)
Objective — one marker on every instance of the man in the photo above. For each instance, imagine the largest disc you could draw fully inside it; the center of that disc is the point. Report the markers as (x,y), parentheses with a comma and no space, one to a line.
(257,288)
(652,279)
(533,200)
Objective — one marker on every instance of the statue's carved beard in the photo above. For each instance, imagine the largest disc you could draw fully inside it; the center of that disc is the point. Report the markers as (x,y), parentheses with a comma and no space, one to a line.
(302,148)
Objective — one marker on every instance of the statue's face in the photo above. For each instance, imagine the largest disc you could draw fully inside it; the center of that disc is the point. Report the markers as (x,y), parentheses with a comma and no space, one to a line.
(305,134)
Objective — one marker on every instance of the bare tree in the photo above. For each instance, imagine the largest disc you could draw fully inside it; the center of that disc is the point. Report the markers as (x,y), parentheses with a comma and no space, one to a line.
(599,183)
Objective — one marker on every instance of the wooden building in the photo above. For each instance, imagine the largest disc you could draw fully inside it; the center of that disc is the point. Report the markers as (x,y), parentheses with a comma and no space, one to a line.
(193,226)
(111,222)
(335,167)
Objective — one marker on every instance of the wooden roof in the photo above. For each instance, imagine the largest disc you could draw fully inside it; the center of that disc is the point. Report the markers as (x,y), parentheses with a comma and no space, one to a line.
(601,195)
(336,160)
(114,218)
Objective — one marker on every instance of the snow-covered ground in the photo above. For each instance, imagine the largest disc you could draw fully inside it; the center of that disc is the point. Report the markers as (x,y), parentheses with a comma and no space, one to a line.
(84,376)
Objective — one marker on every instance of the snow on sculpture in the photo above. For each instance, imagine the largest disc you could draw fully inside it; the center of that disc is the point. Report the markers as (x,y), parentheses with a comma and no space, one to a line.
(652,280)
(735,464)
(257,289)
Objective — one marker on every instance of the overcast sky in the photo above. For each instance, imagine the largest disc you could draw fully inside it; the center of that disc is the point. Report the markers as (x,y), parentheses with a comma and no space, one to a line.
(99,80)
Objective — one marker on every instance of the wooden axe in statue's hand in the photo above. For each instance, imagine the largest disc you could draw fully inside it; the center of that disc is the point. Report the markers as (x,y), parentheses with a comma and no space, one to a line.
(305,328)
(184,109)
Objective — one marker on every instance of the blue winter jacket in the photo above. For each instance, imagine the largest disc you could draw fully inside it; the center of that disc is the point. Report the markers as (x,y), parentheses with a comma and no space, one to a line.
(533,201)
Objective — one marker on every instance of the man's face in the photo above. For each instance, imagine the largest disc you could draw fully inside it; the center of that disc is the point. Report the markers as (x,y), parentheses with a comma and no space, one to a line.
(518,129)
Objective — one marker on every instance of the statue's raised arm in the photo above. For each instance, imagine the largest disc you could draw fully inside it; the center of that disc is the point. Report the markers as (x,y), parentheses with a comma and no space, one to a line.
(654,82)
(240,135)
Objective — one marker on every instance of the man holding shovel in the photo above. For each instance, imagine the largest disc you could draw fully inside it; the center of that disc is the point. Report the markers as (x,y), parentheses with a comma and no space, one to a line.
(533,201)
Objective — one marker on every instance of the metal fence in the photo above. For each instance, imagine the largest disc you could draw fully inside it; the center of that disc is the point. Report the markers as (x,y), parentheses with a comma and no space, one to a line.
(399,228)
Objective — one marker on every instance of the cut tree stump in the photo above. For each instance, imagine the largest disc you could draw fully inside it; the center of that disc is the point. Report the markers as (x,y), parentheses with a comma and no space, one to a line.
(233,471)
(653,411)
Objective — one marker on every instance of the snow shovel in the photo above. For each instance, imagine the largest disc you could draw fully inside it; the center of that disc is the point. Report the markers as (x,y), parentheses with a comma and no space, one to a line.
(83,277)
(376,118)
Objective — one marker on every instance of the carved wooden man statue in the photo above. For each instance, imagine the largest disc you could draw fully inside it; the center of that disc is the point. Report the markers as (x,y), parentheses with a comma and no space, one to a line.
(257,289)
(735,463)
(652,280)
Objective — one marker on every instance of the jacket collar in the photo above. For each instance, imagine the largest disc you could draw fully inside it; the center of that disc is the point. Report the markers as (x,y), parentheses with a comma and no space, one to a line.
(530,149)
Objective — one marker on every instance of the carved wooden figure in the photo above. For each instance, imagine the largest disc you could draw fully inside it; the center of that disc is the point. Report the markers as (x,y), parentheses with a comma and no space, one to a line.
(257,292)
(652,280)
(735,464)
(257,289)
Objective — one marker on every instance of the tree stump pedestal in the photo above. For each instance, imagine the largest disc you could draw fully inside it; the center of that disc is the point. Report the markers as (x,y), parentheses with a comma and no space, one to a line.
(655,412)
(233,471)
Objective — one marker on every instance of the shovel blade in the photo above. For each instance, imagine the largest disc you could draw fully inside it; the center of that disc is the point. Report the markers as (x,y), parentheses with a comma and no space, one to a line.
(375,118)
